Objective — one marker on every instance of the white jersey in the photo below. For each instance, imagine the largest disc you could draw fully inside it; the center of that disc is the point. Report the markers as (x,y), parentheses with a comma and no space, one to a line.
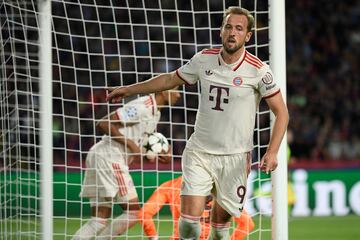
(230,95)
(139,117)
(107,171)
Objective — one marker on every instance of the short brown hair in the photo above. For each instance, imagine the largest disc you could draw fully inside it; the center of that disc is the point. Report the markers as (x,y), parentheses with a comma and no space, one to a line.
(239,11)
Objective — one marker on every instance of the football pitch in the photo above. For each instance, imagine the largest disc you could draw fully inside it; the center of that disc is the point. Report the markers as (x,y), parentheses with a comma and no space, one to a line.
(300,228)
(309,228)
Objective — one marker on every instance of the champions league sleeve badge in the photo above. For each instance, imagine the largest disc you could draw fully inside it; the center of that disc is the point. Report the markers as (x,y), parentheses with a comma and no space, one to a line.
(267,79)
(131,112)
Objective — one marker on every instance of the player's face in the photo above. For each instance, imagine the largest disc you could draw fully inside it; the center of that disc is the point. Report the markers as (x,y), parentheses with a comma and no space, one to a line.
(234,33)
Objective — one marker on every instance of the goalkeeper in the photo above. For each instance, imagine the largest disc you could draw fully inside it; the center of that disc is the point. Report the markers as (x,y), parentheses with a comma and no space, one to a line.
(217,156)
(107,178)
(169,193)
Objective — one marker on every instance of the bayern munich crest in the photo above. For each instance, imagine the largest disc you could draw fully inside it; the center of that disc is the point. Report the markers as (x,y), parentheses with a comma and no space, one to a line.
(237,81)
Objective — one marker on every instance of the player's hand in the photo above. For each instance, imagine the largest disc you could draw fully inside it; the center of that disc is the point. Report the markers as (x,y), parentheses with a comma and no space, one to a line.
(268,162)
(154,238)
(165,157)
(116,94)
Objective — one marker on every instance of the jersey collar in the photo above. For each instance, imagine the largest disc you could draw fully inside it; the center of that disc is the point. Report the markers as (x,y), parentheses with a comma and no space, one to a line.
(234,66)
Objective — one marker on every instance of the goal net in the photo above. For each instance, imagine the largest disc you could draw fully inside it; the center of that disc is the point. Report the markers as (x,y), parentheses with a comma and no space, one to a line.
(97,44)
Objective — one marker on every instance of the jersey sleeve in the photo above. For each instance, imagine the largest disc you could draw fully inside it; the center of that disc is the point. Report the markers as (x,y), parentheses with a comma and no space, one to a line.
(189,72)
(151,207)
(133,111)
(267,85)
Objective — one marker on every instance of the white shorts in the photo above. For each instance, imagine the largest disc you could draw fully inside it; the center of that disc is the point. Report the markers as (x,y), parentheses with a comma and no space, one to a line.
(225,176)
(107,173)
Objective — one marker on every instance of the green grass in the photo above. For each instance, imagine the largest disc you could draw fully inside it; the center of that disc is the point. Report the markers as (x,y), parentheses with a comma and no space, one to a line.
(309,228)
(327,228)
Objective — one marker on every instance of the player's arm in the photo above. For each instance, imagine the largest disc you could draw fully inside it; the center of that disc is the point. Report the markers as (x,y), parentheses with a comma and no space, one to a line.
(244,225)
(150,208)
(110,125)
(159,83)
(278,107)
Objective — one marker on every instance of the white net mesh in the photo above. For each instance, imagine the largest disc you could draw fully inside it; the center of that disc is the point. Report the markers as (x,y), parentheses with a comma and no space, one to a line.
(100,43)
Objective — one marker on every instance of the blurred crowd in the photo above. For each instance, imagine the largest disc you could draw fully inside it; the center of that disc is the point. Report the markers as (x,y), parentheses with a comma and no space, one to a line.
(323,88)
(121,43)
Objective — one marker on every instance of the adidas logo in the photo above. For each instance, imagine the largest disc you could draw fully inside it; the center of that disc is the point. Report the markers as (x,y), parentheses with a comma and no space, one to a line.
(208,72)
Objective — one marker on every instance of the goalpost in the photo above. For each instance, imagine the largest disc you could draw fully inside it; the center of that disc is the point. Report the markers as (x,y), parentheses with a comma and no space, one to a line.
(45,95)
(278,65)
(100,43)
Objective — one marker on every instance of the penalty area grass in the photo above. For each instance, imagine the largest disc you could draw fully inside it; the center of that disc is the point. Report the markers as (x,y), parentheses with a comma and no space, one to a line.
(309,228)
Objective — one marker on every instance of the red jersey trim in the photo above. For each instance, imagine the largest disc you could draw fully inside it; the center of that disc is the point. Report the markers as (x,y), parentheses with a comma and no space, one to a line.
(254,58)
(150,102)
(236,68)
(271,95)
(185,81)
(120,179)
(117,115)
(211,51)
(254,61)
(152,105)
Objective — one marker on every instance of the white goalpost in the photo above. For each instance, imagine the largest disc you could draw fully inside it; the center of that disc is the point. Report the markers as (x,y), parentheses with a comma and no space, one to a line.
(278,65)
(45,96)
(56,59)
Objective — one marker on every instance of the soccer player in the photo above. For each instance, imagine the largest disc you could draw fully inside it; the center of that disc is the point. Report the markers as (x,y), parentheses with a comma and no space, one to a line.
(107,178)
(217,156)
(169,193)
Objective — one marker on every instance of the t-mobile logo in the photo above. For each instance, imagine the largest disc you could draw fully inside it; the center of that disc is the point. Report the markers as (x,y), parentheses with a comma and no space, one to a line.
(219,91)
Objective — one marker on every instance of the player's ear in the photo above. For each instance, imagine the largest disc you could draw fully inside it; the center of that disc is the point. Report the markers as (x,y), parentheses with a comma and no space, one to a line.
(248,36)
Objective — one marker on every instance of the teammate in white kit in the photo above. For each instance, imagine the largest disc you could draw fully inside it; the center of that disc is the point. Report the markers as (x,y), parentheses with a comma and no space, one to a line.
(217,157)
(107,178)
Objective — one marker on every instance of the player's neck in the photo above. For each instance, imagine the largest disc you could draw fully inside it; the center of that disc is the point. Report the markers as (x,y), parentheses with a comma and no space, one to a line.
(230,58)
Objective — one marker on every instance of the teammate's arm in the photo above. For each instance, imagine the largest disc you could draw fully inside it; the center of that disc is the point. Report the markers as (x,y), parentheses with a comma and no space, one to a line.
(150,208)
(110,125)
(278,107)
(159,83)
